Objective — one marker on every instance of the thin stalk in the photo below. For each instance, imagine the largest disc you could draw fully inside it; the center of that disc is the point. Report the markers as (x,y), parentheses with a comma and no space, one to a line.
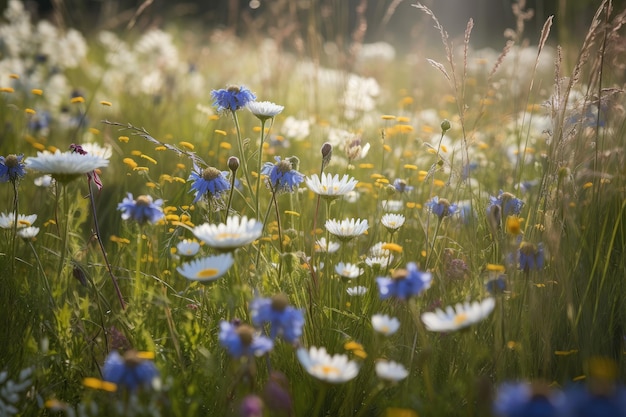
(104,253)
(242,156)
(46,283)
(137,289)
(14,231)
(259,162)
(65,234)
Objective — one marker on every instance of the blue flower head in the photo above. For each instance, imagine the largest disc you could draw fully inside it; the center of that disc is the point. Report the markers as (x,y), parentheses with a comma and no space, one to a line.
(401,186)
(496,285)
(281,176)
(130,371)
(404,283)
(441,207)
(11,167)
(141,210)
(209,182)
(283,319)
(531,256)
(525,400)
(509,204)
(232,98)
(242,340)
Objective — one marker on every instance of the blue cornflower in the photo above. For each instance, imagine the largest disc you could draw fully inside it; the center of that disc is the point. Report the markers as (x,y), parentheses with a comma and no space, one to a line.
(525,400)
(401,186)
(133,370)
(531,256)
(509,204)
(210,182)
(404,283)
(281,176)
(496,285)
(232,98)
(609,400)
(441,207)
(11,167)
(242,340)
(141,210)
(284,319)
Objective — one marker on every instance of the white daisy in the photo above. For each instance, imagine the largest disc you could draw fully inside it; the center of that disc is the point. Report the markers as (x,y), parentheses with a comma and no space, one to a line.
(329,247)
(378,251)
(457,318)
(393,205)
(236,232)
(346,229)
(391,371)
(65,166)
(384,324)
(7,220)
(44,181)
(206,269)
(264,109)
(94,149)
(356,291)
(380,261)
(392,221)
(28,232)
(334,369)
(348,270)
(187,247)
(329,186)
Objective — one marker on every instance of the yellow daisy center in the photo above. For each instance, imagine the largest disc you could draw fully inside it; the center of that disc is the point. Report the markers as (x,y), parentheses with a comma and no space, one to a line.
(207,273)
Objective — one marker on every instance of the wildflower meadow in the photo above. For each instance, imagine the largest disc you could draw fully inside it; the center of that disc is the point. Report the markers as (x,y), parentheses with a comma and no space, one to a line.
(198,221)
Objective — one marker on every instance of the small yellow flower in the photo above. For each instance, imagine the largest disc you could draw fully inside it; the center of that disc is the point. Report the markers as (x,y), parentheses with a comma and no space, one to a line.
(106,103)
(410,166)
(187,145)
(30,111)
(94,131)
(78,99)
(394,247)
(14,76)
(6,90)
(37,91)
(293,213)
(130,163)
(225,145)
(146,157)
(495,268)
(123,139)
(387,117)
(160,148)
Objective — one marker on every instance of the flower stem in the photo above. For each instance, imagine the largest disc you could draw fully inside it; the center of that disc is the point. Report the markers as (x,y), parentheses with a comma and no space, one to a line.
(104,253)
(260,161)
(14,231)
(137,290)
(242,155)
(65,233)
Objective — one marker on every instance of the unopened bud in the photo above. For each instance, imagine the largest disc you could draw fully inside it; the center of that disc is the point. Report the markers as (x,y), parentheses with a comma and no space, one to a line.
(445,125)
(233,163)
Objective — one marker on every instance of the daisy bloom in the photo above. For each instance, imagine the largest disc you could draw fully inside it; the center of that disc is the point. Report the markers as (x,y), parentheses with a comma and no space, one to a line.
(329,247)
(236,232)
(264,110)
(457,318)
(329,186)
(65,166)
(206,269)
(232,98)
(346,229)
(187,247)
(356,291)
(243,340)
(393,205)
(404,283)
(391,371)
(23,220)
(11,167)
(334,369)
(392,221)
(348,270)
(379,261)
(142,210)
(384,324)
(28,232)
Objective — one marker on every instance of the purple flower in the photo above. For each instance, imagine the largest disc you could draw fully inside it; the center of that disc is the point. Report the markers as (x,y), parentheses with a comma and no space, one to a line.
(132,370)
(209,181)
(441,207)
(11,167)
(281,176)
(531,256)
(242,340)
(509,204)
(141,210)
(283,319)
(232,98)
(404,283)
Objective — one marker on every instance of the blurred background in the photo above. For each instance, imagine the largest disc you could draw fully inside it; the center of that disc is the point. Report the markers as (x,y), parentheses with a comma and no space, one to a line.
(338,21)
